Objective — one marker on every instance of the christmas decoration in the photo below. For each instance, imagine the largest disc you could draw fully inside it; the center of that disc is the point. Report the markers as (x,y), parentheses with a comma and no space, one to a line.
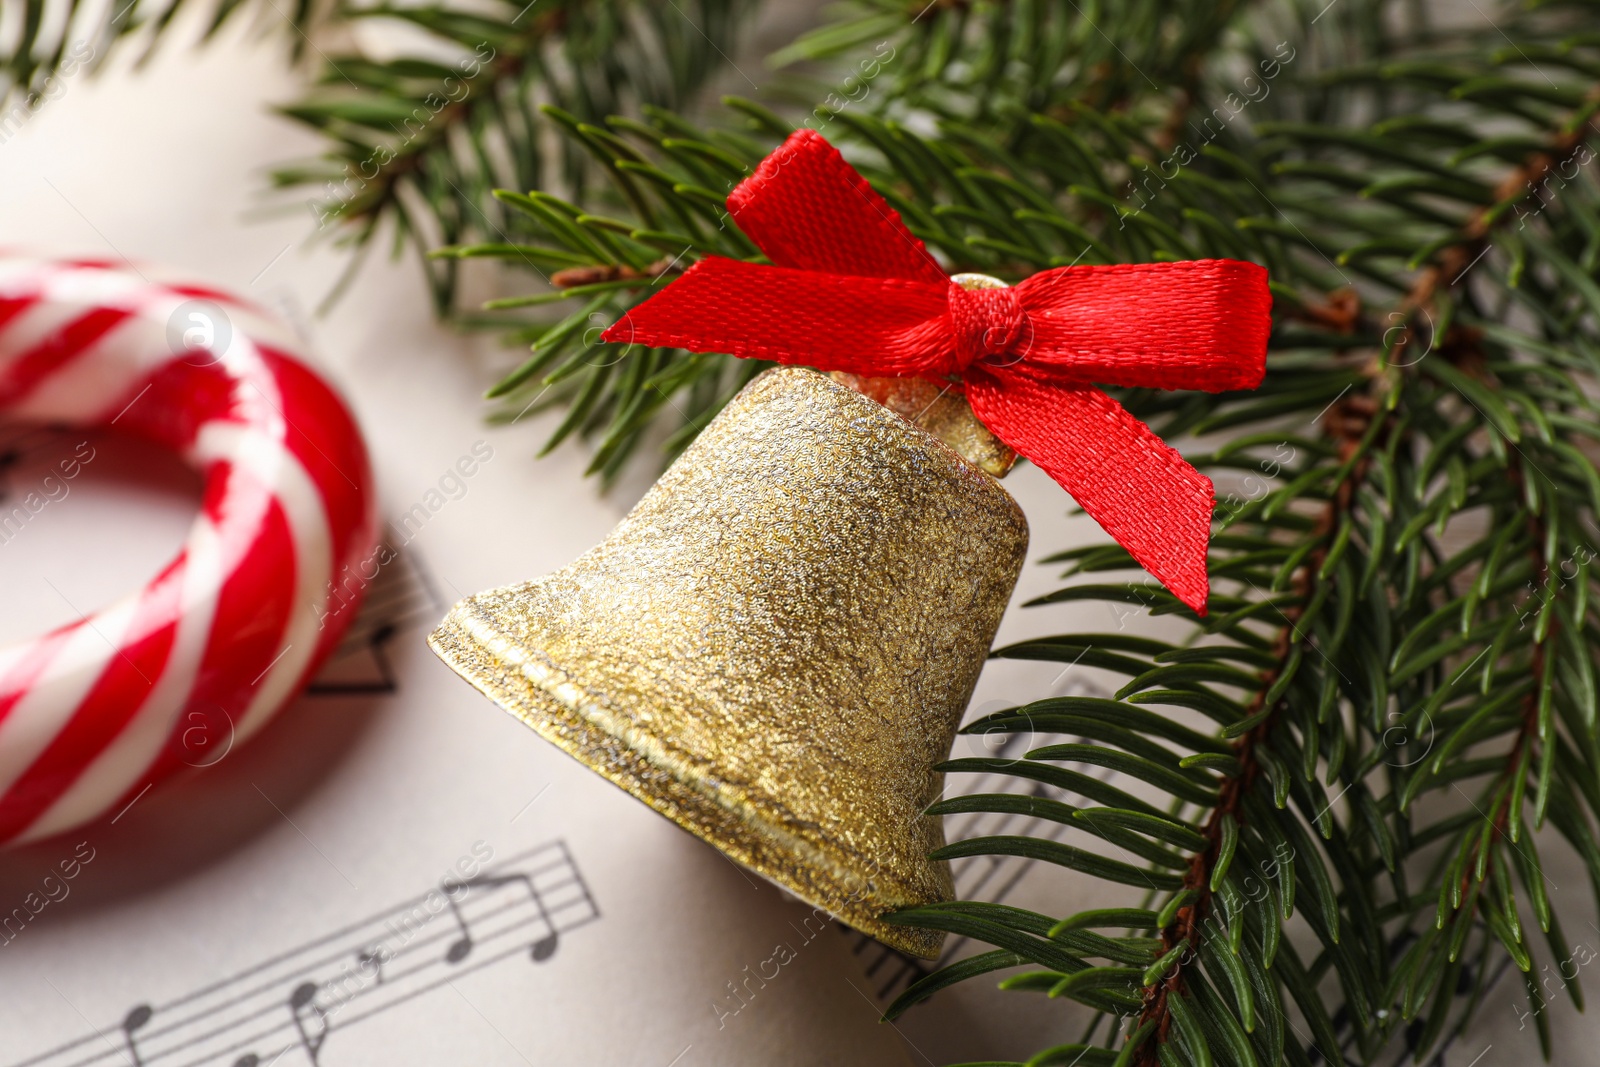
(174,674)
(763,651)
(852,289)
(776,645)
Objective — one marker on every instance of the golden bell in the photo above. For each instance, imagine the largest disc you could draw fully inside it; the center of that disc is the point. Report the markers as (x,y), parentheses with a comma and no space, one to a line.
(776,646)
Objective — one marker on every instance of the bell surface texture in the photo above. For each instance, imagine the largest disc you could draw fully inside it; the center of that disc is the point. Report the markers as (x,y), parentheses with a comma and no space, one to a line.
(776,645)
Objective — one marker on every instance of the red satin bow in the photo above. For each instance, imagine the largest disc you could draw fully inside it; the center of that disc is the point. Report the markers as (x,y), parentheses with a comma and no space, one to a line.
(851,289)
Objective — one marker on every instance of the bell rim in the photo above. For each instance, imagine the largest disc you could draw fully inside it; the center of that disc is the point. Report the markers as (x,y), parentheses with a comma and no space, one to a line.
(665,792)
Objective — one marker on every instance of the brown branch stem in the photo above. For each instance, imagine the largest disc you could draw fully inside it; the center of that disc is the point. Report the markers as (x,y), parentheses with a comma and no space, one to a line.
(1347,421)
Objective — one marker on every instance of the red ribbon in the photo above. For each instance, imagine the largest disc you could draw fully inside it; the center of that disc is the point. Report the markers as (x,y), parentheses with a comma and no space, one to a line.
(850,288)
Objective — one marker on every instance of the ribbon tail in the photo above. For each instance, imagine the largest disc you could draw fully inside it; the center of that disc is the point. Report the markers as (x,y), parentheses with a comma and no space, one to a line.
(1138,488)
(879,326)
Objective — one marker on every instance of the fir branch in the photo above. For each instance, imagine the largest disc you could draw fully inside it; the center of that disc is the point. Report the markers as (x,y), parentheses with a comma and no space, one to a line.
(1350,424)
(55,40)
(1475,852)
(421,144)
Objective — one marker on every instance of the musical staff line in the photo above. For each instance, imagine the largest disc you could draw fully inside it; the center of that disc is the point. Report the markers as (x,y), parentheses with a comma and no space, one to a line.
(412,950)
(301,998)
(342,933)
(402,596)
(971,875)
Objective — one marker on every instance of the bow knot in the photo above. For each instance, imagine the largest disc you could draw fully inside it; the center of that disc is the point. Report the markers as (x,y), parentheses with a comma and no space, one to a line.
(984,322)
(849,288)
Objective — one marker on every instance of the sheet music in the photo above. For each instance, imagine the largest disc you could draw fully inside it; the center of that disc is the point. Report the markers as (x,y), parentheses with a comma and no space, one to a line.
(403,598)
(517,909)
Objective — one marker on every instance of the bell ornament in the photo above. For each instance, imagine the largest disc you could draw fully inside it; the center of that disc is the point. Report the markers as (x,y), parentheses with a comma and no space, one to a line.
(776,646)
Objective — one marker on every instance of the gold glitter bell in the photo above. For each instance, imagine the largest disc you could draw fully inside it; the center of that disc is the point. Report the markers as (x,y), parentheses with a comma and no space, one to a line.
(777,644)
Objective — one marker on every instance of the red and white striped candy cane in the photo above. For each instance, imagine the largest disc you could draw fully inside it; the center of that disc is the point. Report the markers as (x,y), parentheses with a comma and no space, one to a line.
(229,631)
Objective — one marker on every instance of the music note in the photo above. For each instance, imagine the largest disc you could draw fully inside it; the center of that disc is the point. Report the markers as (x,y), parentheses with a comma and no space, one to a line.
(249,1059)
(304,996)
(461,948)
(135,1020)
(370,961)
(399,597)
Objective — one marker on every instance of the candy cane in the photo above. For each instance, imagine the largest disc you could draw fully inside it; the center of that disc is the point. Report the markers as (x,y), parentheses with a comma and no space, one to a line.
(94,712)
